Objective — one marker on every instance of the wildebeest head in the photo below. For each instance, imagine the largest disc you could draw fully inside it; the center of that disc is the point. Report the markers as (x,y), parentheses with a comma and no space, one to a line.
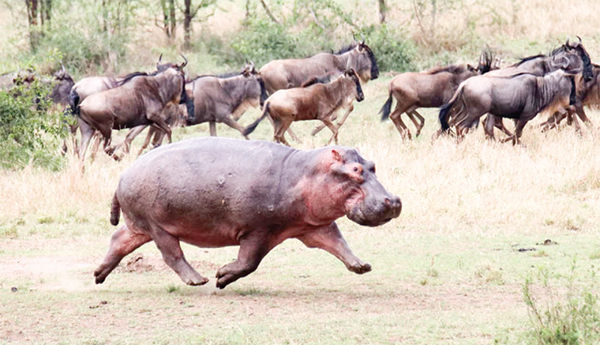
(62,87)
(352,75)
(583,54)
(257,89)
(362,60)
(369,203)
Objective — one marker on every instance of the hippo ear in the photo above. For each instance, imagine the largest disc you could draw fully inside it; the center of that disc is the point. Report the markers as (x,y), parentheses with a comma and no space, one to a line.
(336,155)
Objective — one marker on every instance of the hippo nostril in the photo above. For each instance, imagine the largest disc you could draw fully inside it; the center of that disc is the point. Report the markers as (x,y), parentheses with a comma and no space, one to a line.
(387,202)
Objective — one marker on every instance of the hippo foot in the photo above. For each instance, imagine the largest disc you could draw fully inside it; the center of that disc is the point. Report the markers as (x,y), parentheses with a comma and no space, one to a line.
(360,268)
(197,282)
(99,277)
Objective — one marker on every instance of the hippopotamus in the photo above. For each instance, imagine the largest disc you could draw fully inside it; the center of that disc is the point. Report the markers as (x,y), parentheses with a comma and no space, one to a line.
(215,192)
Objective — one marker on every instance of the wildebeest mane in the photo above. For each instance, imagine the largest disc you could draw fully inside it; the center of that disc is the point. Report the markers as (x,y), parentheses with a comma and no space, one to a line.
(455,69)
(347,48)
(221,76)
(323,79)
(130,76)
(529,58)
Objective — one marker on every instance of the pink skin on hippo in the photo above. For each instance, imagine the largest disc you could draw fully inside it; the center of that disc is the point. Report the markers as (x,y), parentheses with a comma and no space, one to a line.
(215,192)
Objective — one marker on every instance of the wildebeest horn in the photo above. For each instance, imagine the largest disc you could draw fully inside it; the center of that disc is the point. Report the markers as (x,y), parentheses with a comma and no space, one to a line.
(183,64)
(159,59)
(567,44)
(63,67)
(578,38)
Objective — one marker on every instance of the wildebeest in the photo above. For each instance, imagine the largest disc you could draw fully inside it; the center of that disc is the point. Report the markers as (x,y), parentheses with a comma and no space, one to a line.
(216,98)
(63,83)
(216,192)
(289,73)
(571,57)
(138,103)
(588,94)
(313,102)
(520,97)
(428,89)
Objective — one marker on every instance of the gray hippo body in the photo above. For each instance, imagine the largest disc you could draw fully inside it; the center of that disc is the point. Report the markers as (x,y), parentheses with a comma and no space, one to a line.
(215,192)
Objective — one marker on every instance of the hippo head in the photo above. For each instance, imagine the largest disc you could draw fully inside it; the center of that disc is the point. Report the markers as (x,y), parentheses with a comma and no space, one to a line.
(368,202)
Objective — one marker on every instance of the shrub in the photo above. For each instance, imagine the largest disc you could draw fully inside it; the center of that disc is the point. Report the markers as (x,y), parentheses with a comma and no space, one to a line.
(28,130)
(574,321)
(392,50)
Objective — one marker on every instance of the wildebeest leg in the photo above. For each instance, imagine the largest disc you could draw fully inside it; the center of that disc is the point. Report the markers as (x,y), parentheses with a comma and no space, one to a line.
(170,249)
(581,113)
(499,123)
(229,122)
(134,132)
(212,126)
(151,132)
(284,125)
(344,117)
(412,114)
(86,134)
(488,126)
(396,117)
(123,242)
(252,251)
(330,239)
(289,130)
(320,127)
(333,129)
(161,124)
(96,139)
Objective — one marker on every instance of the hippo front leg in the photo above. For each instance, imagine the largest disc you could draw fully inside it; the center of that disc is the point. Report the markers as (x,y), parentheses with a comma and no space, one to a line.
(329,238)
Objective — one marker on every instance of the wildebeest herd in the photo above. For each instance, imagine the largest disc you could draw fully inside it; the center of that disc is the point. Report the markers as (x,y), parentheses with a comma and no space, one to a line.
(221,192)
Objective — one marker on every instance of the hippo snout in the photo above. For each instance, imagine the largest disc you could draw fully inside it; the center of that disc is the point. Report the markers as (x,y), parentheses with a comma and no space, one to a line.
(376,213)
(394,207)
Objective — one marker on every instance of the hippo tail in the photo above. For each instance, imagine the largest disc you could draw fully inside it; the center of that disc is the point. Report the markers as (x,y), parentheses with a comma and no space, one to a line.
(115,211)
(254,124)
(387,108)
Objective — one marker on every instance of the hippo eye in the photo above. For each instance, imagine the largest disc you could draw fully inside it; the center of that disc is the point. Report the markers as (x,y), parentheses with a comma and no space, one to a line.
(355,169)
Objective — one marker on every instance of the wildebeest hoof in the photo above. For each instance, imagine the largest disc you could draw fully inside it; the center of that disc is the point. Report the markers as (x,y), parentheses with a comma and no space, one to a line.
(360,269)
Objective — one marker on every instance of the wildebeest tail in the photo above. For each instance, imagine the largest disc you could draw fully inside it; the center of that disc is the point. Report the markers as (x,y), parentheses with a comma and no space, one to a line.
(573,95)
(115,211)
(446,108)
(74,102)
(254,124)
(263,91)
(387,108)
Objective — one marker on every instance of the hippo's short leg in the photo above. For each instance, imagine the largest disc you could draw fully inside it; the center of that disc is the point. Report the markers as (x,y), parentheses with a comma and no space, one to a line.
(251,253)
(173,255)
(330,239)
(123,242)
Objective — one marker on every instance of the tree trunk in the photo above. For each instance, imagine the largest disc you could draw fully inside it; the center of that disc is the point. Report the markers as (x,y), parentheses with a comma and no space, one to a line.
(172,19)
(187,23)
(168,8)
(32,17)
(382,10)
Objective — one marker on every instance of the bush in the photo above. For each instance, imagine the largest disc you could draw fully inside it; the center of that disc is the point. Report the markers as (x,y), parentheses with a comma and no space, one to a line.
(574,321)
(393,51)
(28,130)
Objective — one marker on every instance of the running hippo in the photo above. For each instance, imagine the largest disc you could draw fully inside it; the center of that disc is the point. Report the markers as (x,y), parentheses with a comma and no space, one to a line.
(216,192)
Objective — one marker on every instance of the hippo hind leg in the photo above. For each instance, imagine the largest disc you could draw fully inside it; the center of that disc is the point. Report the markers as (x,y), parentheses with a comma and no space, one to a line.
(170,249)
(249,257)
(123,242)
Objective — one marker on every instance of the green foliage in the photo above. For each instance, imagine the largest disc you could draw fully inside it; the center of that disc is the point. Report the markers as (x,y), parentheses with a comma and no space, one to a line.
(262,41)
(28,130)
(573,321)
(391,48)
